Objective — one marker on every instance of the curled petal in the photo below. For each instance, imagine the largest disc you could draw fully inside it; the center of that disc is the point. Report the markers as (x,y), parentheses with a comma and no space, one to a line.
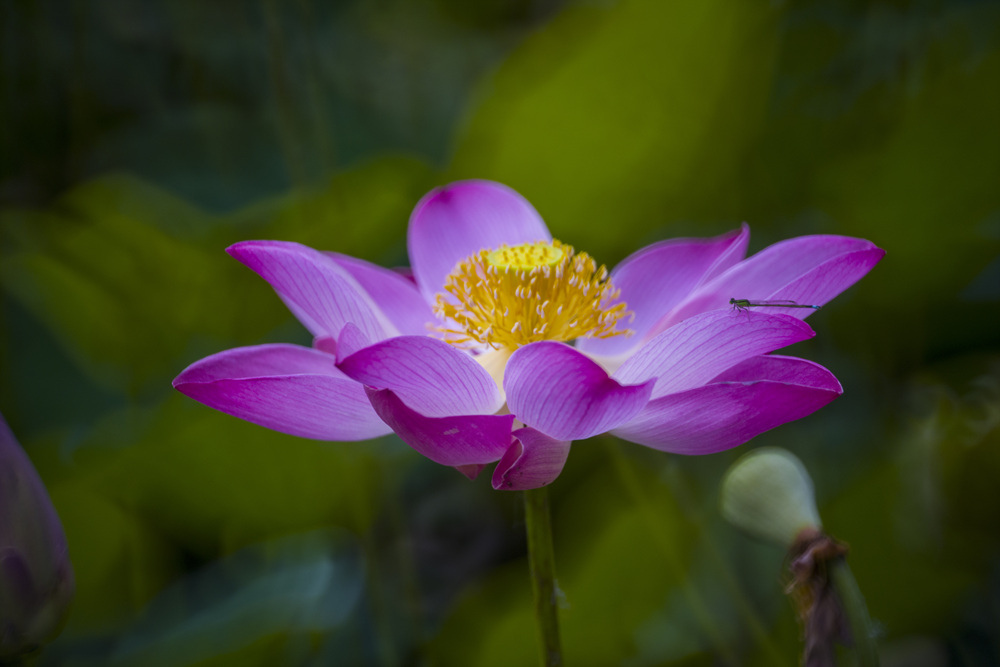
(532,461)
(321,294)
(430,376)
(726,414)
(779,368)
(260,361)
(288,388)
(655,279)
(691,353)
(460,441)
(565,394)
(394,293)
(460,219)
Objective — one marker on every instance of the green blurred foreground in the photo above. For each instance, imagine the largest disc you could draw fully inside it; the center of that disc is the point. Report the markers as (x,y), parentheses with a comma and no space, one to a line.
(140,139)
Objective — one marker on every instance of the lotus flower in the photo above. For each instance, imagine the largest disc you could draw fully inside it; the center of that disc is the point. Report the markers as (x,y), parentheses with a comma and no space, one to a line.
(36,576)
(507,345)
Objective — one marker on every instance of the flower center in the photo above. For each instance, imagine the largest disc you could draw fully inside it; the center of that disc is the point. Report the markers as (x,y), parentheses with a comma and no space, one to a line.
(515,295)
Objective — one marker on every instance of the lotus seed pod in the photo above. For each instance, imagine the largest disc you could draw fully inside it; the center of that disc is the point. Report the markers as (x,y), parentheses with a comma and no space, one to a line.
(769,494)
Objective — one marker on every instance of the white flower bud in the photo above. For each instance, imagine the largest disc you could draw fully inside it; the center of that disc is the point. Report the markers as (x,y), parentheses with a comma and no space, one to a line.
(769,494)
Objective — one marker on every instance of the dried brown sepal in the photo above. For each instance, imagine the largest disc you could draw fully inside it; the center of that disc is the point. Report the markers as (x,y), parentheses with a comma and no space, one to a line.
(824,623)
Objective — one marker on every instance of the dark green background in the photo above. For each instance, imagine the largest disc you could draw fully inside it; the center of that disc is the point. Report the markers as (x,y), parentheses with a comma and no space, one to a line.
(139,139)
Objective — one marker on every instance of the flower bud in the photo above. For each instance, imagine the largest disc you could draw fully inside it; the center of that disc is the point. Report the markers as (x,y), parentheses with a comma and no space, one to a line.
(36,577)
(769,494)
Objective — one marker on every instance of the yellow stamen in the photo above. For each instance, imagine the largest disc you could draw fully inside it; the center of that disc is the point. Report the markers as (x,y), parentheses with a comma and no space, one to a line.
(526,256)
(517,295)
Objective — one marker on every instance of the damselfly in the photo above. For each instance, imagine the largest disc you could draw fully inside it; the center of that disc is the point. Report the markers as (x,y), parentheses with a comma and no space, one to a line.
(745,304)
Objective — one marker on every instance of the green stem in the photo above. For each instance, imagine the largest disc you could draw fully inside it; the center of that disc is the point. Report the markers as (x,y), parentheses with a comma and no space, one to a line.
(857,613)
(541,560)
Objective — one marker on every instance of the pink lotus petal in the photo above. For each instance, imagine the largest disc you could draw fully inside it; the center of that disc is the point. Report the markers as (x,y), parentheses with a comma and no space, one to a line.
(655,279)
(396,295)
(472,470)
(779,368)
(691,353)
(733,254)
(326,344)
(532,461)
(460,219)
(406,272)
(288,388)
(350,341)
(785,261)
(458,441)
(723,415)
(322,295)
(807,270)
(820,285)
(563,393)
(432,377)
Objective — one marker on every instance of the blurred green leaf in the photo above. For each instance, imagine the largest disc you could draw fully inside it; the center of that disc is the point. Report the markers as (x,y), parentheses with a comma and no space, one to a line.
(123,296)
(615,120)
(283,590)
(119,560)
(131,279)
(216,483)
(362,212)
(882,125)
(926,192)
(889,568)
(922,525)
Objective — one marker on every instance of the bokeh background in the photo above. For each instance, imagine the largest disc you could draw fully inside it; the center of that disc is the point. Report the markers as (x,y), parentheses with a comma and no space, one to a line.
(139,139)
